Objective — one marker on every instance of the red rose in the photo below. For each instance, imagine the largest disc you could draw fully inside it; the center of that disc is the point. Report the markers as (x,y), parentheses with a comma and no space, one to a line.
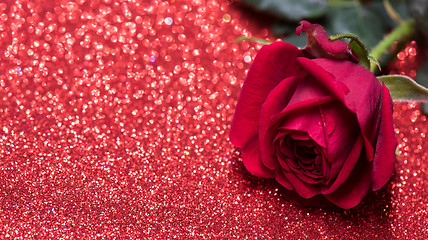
(315,120)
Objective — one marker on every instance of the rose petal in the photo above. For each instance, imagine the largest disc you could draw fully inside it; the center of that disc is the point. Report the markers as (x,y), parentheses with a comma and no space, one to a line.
(308,121)
(285,163)
(307,97)
(279,176)
(369,148)
(384,158)
(302,169)
(319,46)
(329,119)
(365,89)
(316,201)
(251,159)
(274,128)
(272,64)
(283,144)
(323,77)
(308,89)
(297,135)
(300,108)
(303,189)
(353,190)
(344,134)
(363,97)
(290,172)
(291,110)
(347,167)
(277,99)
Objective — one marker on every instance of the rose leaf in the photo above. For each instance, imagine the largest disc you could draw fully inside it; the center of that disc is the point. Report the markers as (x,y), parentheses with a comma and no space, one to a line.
(293,10)
(422,78)
(366,23)
(419,11)
(403,88)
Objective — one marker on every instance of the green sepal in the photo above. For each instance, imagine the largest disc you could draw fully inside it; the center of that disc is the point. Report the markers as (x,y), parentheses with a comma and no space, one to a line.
(361,52)
(403,88)
(374,62)
(259,40)
(356,46)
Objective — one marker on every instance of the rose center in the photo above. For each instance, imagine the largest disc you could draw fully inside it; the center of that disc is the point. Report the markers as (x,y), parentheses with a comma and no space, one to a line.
(299,154)
(305,152)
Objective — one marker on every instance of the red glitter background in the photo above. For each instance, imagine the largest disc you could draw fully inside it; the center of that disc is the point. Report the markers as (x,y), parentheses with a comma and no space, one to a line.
(114,120)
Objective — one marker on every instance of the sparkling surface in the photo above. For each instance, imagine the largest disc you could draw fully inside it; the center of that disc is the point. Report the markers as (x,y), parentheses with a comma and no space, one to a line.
(168,21)
(114,120)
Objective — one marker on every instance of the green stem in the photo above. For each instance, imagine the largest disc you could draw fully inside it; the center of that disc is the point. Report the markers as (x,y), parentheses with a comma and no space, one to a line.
(400,33)
(391,12)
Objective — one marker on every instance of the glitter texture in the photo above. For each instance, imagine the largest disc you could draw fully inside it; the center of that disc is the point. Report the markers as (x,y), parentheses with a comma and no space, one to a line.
(114,124)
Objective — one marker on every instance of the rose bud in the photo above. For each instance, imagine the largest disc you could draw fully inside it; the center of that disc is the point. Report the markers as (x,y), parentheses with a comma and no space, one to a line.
(315,120)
